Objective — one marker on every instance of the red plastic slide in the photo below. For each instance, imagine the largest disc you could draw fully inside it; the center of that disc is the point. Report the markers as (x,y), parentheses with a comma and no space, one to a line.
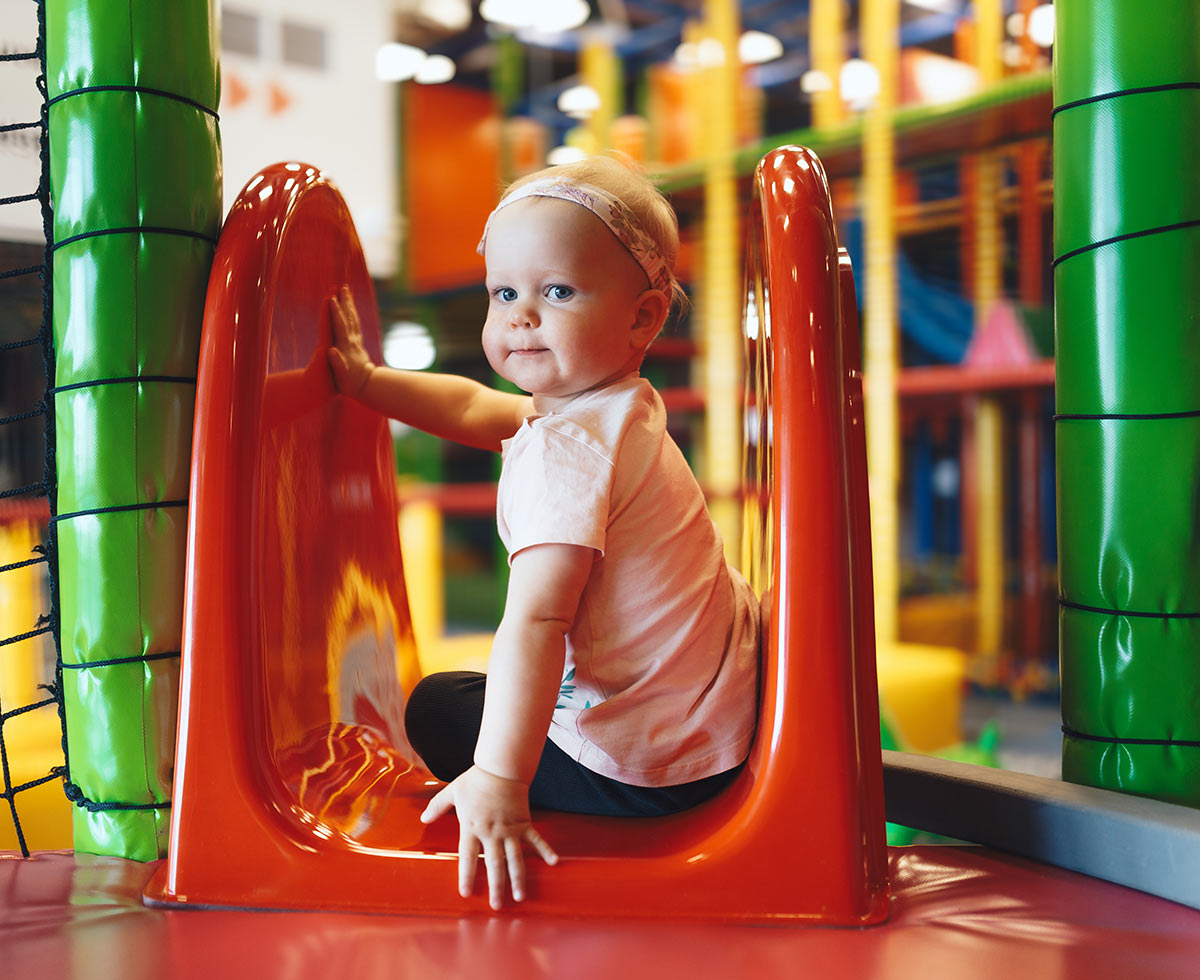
(293,783)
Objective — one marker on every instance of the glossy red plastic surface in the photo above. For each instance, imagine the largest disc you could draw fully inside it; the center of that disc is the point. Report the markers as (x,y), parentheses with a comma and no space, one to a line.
(293,792)
(956,913)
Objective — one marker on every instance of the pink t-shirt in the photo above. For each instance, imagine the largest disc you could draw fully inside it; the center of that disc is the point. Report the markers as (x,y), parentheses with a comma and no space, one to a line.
(661,673)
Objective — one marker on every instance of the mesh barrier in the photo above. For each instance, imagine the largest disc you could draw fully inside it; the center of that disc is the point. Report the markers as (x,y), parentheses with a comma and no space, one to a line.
(30,664)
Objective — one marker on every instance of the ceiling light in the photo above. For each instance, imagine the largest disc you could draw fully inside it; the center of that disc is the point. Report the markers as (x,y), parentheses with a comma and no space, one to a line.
(859,83)
(938,79)
(434,70)
(937,6)
(1041,25)
(450,15)
(408,346)
(813,81)
(397,62)
(579,101)
(756,47)
(711,53)
(565,154)
(547,16)
(687,55)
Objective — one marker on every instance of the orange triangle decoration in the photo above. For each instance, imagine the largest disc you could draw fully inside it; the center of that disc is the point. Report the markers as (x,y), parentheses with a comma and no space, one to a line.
(233,92)
(278,98)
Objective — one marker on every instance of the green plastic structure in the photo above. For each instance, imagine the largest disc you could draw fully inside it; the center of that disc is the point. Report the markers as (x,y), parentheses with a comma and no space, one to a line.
(1127,295)
(136,186)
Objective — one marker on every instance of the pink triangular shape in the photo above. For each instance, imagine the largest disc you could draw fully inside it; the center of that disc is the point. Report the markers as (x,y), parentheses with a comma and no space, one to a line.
(1002,341)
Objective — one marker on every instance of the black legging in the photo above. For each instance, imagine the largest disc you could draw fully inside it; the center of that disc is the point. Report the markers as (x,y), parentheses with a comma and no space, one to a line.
(443,717)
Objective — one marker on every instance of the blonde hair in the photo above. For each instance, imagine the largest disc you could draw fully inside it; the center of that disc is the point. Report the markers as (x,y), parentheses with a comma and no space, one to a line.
(620,176)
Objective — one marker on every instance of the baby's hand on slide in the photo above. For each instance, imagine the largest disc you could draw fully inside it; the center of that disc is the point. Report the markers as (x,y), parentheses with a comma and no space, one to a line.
(348,358)
(493,816)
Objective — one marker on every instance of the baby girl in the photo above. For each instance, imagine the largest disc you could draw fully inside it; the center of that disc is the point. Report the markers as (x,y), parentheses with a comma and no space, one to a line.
(622,678)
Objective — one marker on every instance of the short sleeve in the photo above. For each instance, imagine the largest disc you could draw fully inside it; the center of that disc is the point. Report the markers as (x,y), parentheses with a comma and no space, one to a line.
(554,489)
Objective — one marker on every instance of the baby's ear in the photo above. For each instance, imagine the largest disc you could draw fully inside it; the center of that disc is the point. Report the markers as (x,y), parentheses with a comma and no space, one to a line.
(650,312)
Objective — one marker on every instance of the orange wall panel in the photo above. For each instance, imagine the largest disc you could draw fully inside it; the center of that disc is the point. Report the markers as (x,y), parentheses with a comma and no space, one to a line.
(451,153)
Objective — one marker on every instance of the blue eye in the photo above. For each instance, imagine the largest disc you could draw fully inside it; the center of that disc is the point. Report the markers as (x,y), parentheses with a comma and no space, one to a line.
(560,292)
(506,294)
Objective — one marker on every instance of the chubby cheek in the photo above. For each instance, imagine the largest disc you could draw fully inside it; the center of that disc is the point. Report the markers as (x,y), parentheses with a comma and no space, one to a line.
(492,349)
(496,353)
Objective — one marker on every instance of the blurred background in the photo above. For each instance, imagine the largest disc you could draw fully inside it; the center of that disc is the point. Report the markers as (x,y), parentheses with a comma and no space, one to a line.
(932,118)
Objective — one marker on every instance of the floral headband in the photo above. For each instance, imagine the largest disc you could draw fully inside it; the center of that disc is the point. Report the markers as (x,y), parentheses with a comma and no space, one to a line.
(620,221)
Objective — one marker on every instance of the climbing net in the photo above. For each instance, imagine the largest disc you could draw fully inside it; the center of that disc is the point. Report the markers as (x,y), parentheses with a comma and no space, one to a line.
(27,499)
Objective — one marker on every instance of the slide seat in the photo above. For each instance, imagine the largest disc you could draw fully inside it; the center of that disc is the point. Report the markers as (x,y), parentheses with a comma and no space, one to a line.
(294,787)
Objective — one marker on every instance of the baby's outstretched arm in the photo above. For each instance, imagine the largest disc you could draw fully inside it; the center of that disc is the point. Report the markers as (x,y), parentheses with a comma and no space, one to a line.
(444,405)
(492,797)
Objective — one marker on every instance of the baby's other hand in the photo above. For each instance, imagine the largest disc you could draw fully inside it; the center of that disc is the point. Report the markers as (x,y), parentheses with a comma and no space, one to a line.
(349,361)
(493,816)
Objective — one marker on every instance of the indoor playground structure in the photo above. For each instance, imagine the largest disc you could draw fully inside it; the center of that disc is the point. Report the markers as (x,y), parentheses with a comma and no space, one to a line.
(218,672)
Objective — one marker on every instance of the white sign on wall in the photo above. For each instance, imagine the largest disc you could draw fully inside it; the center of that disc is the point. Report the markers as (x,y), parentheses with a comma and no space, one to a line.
(298,83)
(20,102)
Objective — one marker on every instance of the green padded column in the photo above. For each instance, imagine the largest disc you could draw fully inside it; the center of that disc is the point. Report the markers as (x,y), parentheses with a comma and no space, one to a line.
(1127,306)
(136,184)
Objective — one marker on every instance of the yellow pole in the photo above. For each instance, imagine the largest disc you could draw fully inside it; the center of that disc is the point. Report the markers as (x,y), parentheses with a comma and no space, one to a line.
(880,29)
(989,418)
(826,55)
(989,462)
(600,69)
(721,285)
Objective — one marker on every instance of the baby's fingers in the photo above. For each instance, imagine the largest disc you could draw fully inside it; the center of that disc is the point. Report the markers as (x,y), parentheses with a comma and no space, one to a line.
(539,844)
(337,318)
(497,874)
(439,806)
(337,364)
(344,317)
(468,858)
(516,867)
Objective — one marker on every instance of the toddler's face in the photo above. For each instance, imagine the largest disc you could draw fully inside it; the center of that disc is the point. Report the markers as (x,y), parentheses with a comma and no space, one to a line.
(563,299)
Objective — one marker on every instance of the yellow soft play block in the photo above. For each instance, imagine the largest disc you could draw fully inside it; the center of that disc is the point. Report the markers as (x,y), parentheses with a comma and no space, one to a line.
(468,651)
(34,744)
(32,740)
(421,548)
(920,694)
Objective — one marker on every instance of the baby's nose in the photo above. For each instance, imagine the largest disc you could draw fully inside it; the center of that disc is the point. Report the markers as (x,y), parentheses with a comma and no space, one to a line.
(523,314)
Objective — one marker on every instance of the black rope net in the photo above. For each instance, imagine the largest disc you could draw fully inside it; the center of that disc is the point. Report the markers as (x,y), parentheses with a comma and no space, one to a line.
(30,657)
